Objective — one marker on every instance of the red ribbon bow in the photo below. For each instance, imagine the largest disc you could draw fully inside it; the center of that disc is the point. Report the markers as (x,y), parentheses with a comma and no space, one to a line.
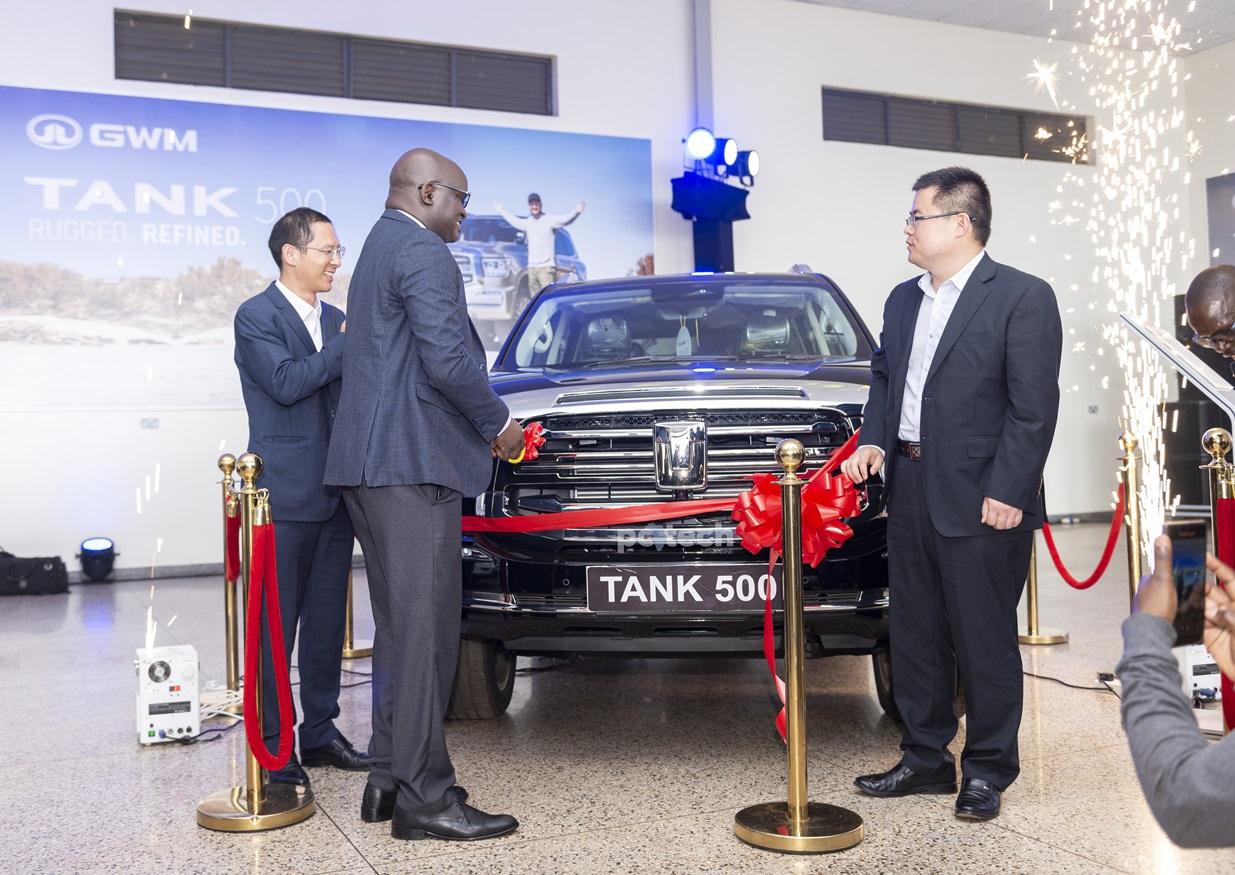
(533,440)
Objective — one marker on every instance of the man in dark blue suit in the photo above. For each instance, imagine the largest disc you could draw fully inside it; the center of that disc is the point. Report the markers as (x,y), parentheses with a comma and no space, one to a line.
(289,350)
(963,402)
(417,430)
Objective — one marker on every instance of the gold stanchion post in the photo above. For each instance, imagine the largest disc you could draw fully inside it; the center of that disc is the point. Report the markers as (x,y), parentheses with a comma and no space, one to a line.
(1034,634)
(1217,442)
(797,826)
(1132,501)
(353,649)
(256,806)
(231,613)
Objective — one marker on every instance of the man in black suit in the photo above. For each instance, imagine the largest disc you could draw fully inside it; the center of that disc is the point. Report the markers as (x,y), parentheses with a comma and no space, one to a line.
(417,430)
(963,402)
(289,350)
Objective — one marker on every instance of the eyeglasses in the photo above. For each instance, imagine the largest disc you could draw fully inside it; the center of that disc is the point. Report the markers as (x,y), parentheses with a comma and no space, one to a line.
(1223,338)
(912,220)
(328,251)
(464,196)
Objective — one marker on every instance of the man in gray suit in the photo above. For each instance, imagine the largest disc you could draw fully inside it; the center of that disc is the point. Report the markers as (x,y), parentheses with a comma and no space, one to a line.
(416,430)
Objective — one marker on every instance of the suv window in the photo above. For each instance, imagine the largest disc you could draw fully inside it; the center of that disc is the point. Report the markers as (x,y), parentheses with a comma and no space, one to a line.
(685,320)
(562,244)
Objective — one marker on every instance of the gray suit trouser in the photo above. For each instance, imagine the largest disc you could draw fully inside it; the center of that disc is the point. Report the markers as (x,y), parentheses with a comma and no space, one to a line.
(411,538)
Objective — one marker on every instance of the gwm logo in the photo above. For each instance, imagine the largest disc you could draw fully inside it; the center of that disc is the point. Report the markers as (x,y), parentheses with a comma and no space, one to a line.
(53,131)
(60,132)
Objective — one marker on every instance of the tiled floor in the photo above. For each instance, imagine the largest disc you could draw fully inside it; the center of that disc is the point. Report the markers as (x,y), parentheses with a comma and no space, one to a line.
(611,766)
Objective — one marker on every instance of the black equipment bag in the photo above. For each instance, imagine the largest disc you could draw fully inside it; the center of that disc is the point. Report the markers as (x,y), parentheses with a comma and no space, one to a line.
(40,576)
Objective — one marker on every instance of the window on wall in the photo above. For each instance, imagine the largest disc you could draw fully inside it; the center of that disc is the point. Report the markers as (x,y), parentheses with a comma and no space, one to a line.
(889,120)
(160,48)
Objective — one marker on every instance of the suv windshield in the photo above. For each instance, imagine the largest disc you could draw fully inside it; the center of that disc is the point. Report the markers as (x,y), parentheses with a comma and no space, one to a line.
(686,320)
(490,229)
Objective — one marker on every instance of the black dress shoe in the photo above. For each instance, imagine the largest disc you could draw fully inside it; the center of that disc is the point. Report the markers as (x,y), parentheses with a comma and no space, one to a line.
(457,822)
(291,773)
(903,781)
(378,805)
(338,753)
(979,800)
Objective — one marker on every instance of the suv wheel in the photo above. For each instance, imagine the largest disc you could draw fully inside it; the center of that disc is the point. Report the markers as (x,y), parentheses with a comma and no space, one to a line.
(882,663)
(484,681)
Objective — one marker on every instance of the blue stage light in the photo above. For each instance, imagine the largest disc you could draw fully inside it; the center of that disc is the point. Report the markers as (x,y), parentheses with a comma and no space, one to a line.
(726,151)
(746,167)
(97,556)
(700,143)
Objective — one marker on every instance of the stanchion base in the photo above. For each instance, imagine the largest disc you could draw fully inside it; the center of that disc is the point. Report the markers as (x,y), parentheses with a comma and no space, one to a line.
(358,650)
(1046,635)
(827,828)
(283,805)
(237,709)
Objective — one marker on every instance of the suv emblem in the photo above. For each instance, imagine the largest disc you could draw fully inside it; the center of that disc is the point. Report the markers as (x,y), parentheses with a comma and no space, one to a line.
(681,453)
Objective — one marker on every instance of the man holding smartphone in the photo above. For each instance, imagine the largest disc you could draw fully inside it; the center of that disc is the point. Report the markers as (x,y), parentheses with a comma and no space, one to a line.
(1188,782)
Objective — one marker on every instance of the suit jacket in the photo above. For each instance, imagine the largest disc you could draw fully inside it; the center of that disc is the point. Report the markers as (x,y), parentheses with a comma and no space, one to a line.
(990,401)
(291,392)
(416,406)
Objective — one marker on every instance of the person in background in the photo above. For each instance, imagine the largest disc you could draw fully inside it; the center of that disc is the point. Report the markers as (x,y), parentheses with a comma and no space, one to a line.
(1188,781)
(538,227)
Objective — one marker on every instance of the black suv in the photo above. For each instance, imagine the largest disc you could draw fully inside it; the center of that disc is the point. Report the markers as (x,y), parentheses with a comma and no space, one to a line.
(653,389)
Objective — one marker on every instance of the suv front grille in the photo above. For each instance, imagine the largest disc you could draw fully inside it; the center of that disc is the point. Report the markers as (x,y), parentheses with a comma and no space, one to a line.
(466,267)
(591,461)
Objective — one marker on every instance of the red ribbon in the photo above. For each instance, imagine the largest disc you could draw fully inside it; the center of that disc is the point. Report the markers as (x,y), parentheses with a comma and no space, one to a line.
(1224,543)
(1111,538)
(533,440)
(265,576)
(231,552)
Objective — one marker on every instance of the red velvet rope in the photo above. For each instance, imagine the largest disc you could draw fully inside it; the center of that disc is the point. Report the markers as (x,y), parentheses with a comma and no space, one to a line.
(231,554)
(1112,537)
(1224,544)
(265,577)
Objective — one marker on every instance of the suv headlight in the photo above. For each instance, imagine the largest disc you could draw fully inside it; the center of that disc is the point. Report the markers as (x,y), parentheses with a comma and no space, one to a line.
(497,265)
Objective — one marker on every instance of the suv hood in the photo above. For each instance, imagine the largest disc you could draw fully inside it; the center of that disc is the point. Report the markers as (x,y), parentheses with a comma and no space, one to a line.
(719,385)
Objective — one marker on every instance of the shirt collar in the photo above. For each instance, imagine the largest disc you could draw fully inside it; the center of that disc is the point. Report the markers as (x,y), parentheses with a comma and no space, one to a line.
(958,279)
(413,218)
(303,310)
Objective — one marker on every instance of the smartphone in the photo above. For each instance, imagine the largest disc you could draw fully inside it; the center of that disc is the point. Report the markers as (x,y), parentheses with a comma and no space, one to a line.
(1188,546)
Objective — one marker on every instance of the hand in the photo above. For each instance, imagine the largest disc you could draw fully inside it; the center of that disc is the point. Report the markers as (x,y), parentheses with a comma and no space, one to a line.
(865,462)
(508,444)
(579,207)
(1000,516)
(343,327)
(1220,618)
(1156,595)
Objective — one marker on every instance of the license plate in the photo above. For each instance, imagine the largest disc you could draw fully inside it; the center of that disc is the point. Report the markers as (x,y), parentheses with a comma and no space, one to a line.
(680,589)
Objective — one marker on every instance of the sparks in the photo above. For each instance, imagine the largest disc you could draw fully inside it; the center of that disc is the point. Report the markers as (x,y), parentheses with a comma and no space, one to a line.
(1044,78)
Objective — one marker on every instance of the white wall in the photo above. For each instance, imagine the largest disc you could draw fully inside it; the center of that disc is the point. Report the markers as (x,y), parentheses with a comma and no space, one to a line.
(840,207)
(1211,109)
(622,70)
(79,473)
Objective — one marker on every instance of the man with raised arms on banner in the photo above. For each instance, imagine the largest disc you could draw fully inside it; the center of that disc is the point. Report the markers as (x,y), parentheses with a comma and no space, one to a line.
(963,403)
(289,350)
(539,228)
(417,430)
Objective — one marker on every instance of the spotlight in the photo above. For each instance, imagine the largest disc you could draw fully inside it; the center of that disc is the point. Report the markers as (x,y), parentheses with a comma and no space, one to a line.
(700,144)
(97,556)
(746,167)
(726,151)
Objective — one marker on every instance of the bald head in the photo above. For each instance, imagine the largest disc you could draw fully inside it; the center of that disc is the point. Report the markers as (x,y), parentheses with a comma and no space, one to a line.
(430,187)
(1210,302)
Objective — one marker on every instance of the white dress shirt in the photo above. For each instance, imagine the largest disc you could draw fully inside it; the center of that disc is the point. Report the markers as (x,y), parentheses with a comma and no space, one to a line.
(311,314)
(509,419)
(933,317)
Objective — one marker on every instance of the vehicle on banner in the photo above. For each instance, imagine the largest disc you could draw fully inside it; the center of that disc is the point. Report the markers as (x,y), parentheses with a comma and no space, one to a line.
(492,256)
(654,389)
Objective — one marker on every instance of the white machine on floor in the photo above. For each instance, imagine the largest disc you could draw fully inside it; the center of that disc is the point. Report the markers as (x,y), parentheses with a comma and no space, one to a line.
(167,704)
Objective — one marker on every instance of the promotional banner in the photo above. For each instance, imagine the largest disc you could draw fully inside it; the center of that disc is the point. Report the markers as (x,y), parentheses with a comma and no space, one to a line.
(134,227)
